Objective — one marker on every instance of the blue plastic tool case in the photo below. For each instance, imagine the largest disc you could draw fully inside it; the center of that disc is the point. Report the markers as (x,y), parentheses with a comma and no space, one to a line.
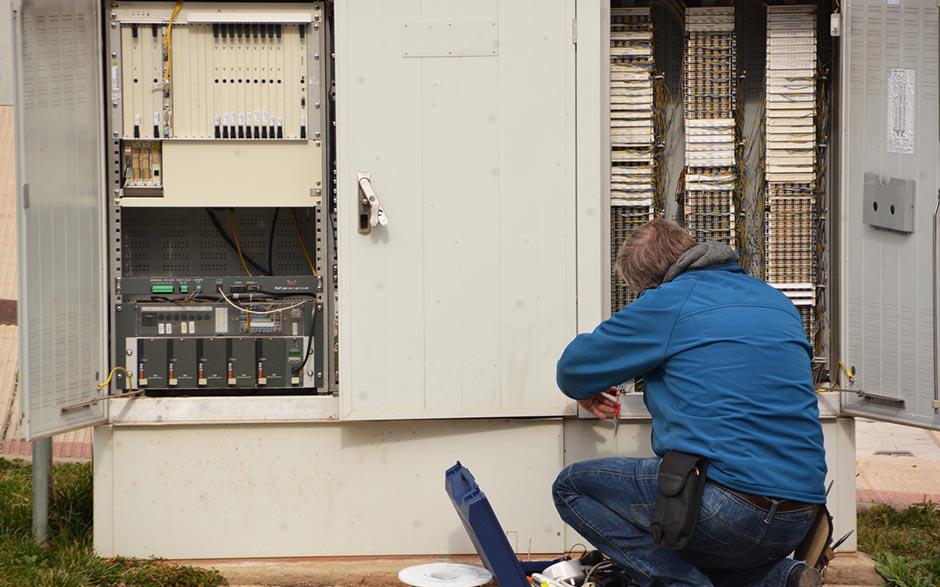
(485,531)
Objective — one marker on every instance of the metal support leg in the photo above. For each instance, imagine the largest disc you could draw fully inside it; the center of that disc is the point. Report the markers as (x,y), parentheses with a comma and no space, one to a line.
(42,488)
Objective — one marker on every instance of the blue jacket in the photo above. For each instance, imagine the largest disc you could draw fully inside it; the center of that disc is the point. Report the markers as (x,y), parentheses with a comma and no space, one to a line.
(728,377)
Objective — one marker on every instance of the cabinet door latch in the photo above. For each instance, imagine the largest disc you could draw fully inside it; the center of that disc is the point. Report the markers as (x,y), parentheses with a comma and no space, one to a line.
(371,213)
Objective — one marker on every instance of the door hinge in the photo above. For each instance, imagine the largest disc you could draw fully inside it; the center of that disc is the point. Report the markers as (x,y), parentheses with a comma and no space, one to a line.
(574,30)
(25,196)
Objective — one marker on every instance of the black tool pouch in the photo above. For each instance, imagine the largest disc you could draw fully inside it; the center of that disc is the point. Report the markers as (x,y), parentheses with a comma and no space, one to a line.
(681,484)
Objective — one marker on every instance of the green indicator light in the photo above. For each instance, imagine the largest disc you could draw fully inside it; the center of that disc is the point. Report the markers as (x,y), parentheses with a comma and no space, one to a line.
(162,289)
(184,288)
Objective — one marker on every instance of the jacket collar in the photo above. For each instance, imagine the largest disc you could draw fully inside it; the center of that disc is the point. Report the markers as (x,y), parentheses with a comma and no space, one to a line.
(710,255)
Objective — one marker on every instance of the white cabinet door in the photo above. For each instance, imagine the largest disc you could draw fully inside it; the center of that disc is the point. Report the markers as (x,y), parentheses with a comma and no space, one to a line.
(57,47)
(890,181)
(462,113)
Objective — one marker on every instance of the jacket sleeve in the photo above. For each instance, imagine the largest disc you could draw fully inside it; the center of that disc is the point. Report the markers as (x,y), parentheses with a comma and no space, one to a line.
(632,342)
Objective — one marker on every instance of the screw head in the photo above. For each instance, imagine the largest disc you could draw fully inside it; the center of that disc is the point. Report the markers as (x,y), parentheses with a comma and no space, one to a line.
(309,372)
(130,352)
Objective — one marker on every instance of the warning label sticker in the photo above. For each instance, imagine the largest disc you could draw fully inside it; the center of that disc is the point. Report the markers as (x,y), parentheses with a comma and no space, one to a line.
(901,111)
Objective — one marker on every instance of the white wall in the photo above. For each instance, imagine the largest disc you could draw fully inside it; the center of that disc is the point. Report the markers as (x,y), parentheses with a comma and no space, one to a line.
(6,54)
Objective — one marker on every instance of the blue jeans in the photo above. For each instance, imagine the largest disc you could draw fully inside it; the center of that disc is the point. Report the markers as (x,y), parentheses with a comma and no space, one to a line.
(611,502)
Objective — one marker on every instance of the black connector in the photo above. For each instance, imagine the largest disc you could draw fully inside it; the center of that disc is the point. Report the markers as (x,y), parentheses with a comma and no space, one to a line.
(303,30)
(254,31)
(231,131)
(241,131)
(236,289)
(134,30)
(280,132)
(239,29)
(271,133)
(257,132)
(303,132)
(215,30)
(156,131)
(224,132)
(264,132)
(277,30)
(154,30)
(218,132)
(136,131)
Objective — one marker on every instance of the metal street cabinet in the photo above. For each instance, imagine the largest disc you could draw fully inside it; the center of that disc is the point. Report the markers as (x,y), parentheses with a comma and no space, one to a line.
(288,257)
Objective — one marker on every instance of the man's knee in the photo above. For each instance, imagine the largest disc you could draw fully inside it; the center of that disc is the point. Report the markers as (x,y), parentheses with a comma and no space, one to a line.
(563,487)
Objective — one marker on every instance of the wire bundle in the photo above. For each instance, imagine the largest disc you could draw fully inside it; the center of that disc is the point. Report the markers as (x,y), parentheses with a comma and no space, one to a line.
(710,99)
(791,158)
(632,133)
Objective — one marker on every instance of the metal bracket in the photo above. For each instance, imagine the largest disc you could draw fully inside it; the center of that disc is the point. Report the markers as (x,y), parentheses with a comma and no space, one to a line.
(893,402)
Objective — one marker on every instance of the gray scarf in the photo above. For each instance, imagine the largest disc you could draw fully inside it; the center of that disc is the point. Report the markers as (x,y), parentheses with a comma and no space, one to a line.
(703,255)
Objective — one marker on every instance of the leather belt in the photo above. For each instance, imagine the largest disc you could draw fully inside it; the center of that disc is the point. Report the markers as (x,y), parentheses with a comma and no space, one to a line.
(765,503)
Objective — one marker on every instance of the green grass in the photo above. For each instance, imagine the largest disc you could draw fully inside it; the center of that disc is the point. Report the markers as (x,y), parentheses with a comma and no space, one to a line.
(68,559)
(905,544)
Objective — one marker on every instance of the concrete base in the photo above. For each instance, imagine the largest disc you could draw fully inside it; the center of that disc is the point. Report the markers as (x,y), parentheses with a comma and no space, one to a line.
(211,491)
(850,569)
(355,571)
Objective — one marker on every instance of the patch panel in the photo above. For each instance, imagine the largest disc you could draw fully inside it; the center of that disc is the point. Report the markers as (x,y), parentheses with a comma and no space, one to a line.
(632,132)
(710,100)
(791,157)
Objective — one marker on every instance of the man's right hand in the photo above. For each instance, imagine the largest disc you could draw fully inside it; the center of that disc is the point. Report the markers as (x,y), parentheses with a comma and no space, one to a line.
(601,406)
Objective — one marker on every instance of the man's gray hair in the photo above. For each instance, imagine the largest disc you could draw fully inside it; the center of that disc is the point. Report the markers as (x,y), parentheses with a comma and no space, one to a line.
(646,255)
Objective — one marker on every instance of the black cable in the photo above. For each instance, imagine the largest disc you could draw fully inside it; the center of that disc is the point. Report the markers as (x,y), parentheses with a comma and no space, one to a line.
(231,243)
(271,242)
(313,331)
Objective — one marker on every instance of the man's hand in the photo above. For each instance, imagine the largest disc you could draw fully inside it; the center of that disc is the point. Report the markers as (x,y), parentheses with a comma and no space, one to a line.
(601,406)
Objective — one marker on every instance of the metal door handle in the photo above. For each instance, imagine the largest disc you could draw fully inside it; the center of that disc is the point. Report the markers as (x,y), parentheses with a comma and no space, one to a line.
(371,213)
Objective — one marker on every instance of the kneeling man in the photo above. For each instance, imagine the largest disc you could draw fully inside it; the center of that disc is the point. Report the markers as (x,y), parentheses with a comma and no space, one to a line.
(728,378)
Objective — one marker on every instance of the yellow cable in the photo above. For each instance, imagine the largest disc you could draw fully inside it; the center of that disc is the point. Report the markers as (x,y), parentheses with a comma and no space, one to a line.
(238,244)
(107,381)
(168,41)
(303,245)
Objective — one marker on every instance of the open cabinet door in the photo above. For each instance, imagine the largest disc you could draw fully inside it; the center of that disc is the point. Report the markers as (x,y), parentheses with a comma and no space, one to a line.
(890,211)
(460,117)
(57,52)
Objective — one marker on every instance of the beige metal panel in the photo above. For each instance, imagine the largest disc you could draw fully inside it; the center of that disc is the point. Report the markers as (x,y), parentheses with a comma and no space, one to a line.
(59,167)
(103,495)
(183,83)
(463,303)
(592,439)
(593,26)
(209,12)
(128,67)
(222,410)
(262,173)
(313,490)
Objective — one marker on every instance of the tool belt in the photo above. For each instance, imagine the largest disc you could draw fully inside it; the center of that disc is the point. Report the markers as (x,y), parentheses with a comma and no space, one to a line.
(681,485)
